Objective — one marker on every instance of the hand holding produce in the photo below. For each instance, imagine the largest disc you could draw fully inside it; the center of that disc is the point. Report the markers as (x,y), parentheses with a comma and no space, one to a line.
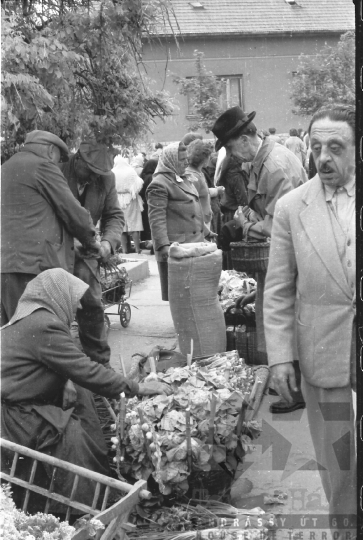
(152,388)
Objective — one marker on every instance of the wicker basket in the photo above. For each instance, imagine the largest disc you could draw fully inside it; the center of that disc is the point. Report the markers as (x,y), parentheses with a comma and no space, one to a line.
(250,257)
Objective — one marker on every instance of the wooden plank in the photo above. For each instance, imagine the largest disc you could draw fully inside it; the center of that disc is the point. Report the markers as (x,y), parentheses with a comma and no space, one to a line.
(127,502)
(73,494)
(55,496)
(96,495)
(31,480)
(14,463)
(105,498)
(86,473)
(50,489)
(119,511)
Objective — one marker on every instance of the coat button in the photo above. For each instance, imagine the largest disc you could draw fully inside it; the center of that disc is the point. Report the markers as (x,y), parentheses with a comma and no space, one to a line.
(349,263)
(193,216)
(349,242)
(194,232)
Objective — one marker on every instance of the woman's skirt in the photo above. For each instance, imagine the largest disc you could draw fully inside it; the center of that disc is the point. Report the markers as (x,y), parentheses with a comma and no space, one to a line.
(133,219)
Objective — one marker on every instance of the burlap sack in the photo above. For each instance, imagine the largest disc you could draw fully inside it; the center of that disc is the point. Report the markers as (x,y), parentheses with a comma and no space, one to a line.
(194,304)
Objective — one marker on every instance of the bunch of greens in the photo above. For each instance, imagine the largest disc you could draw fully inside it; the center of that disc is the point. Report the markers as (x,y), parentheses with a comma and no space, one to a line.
(157,440)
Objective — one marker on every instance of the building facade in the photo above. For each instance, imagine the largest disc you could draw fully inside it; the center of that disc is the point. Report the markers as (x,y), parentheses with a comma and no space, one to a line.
(254,45)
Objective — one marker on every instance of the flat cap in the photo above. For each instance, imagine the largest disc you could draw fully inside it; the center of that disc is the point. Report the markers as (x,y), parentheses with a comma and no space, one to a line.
(45,137)
(97,156)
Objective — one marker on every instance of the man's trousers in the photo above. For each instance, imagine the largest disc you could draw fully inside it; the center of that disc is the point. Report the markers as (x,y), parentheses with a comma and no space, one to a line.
(331,421)
(90,318)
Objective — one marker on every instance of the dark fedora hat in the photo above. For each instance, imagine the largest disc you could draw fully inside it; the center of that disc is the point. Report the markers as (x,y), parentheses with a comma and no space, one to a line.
(97,156)
(229,124)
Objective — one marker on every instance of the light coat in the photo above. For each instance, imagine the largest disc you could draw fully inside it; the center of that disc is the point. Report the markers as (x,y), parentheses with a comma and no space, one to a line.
(305,269)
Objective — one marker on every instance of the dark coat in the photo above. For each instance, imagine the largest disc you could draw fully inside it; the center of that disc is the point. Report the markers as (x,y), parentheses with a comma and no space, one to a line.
(175,212)
(100,198)
(38,356)
(39,216)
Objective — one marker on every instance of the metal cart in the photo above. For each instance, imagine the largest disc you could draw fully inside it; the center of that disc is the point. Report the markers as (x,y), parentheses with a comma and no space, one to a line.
(116,295)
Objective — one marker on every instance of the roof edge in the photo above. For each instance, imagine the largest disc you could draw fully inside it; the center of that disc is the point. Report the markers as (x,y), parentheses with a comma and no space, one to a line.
(249,34)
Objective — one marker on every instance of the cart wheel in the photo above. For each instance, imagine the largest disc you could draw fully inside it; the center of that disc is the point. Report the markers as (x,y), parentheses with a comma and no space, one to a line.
(125,315)
(107,323)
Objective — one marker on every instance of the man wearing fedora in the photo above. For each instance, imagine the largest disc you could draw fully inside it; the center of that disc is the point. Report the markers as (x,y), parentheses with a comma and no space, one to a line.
(39,217)
(92,183)
(272,171)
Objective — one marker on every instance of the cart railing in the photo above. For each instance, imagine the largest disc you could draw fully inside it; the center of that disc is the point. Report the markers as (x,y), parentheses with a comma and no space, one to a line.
(111,517)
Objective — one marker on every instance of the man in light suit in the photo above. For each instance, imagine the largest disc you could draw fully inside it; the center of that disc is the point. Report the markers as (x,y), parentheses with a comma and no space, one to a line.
(310,296)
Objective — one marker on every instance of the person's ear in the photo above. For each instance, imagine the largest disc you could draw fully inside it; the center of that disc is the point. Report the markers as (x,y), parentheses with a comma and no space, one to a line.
(54,153)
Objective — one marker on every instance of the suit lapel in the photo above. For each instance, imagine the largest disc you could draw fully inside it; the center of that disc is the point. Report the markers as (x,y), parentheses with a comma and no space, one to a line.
(316,222)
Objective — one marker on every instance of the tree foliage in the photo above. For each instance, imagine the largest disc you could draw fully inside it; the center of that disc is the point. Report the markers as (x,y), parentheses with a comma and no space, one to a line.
(74,67)
(204,92)
(326,78)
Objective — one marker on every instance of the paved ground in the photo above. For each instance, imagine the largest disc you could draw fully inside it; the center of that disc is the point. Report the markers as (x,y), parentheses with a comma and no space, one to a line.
(282,458)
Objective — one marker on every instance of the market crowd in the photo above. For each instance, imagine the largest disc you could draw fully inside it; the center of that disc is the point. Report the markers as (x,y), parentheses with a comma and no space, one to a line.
(65,215)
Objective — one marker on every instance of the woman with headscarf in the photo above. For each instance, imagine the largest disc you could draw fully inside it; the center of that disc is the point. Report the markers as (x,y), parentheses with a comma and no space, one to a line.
(175,210)
(39,358)
(128,187)
(147,176)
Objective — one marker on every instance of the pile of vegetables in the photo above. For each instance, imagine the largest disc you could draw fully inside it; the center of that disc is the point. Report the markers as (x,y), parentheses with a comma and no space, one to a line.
(192,429)
(234,285)
(192,521)
(18,525)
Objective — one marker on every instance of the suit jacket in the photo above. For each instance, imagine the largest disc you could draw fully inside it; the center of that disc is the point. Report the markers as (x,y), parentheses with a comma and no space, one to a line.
(100,199)
(175,212)
(305,266)
(39,216)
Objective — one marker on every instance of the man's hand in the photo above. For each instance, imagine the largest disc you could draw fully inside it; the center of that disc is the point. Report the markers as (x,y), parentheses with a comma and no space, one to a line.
(105,251)
(90,251)
(69,395)
(221,190)
(152,388)
(164,252)
(283,380)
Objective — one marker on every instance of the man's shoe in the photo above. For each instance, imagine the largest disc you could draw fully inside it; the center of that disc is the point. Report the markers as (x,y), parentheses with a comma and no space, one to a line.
(282,406)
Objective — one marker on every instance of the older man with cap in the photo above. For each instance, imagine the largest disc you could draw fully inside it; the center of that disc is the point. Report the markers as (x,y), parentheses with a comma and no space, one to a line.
(272,171)
(39,217)
(92,183)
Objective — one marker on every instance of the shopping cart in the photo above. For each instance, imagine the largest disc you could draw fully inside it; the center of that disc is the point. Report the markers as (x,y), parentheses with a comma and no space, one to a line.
(115,282)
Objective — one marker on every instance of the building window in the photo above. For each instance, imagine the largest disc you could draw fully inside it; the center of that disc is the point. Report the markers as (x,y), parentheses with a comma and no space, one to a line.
(231,96)
(233,91)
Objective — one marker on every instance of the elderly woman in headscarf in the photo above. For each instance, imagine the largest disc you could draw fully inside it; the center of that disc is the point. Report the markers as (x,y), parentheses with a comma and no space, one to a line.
(128,187)
(41,408)
(175,210)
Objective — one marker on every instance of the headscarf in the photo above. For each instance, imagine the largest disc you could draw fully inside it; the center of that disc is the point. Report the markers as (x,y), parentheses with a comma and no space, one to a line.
(169,161)
(54,290)
(128,182)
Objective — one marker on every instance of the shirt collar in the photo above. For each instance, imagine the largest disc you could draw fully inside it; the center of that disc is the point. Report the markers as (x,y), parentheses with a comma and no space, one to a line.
(349,187)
